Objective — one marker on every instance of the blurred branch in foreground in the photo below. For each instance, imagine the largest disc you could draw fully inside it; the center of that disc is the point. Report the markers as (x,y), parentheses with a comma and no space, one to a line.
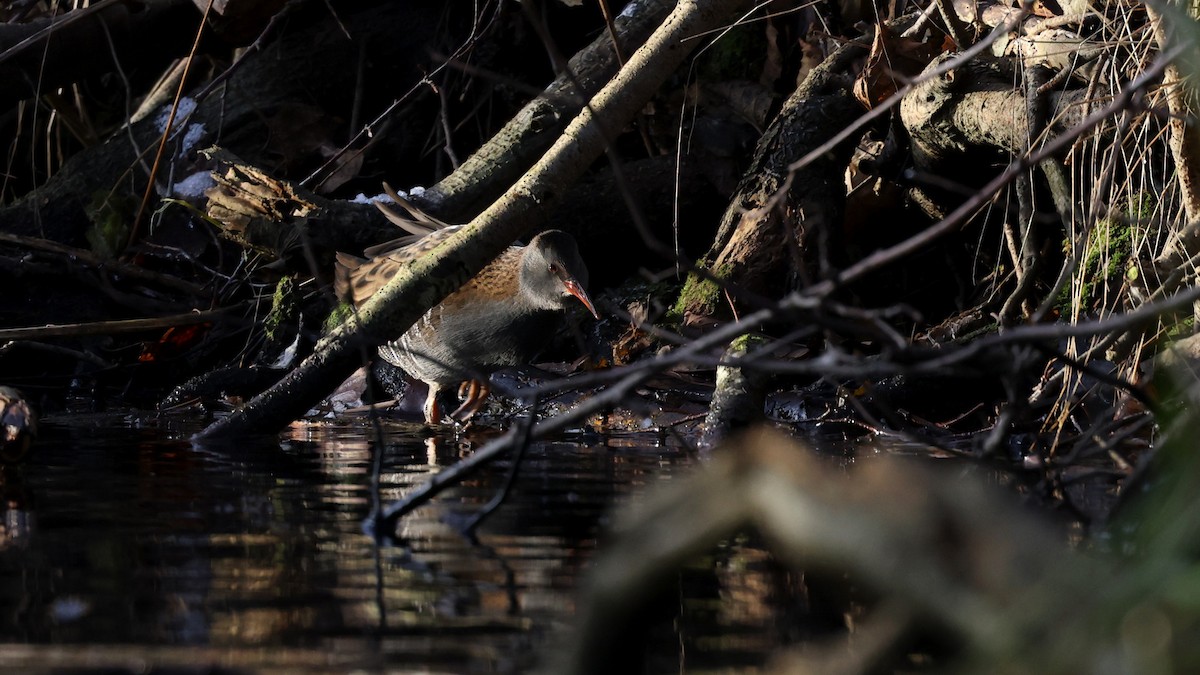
(960,573)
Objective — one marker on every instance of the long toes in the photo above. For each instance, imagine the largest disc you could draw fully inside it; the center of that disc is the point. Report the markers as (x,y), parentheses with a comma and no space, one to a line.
(477,392)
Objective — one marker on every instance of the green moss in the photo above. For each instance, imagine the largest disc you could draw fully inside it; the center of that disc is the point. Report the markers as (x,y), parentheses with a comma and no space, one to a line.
(283,307)
(699,294)
(1183,328)
(744,344)
(1141,207)
(1108,252)
(1108,249)
(337,317)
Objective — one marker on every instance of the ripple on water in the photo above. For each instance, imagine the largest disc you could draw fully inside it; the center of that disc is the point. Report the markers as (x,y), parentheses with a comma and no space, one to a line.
(123,541)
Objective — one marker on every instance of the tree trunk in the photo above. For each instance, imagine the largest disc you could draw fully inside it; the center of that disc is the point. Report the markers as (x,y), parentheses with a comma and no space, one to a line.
(762,250)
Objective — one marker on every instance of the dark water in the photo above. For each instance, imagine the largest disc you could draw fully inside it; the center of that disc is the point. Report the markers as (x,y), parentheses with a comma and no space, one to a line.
(125,549)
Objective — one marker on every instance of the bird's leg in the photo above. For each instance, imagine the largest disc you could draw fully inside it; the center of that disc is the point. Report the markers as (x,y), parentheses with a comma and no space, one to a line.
(433,412)
(476,392)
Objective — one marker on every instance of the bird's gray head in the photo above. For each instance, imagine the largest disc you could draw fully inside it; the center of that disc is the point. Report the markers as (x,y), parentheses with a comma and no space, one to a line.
(552,272)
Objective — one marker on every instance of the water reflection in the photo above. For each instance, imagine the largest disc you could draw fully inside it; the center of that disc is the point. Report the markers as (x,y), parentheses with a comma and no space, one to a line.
(126,544)
(115,535)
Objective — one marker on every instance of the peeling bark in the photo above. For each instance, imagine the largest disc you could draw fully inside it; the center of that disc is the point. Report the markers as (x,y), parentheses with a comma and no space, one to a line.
(278,218)
(975,107)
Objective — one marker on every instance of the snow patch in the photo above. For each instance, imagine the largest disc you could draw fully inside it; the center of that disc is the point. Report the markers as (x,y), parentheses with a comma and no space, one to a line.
(195,132)
(364,199)
(415,191)
(195,184)
(186,107)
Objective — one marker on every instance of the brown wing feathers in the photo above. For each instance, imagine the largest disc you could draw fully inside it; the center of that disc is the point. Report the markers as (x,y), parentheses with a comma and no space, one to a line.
(357,279)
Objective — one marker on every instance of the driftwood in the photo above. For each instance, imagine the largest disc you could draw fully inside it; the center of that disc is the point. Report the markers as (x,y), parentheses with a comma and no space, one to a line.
(284,221)
(948,116)
(973,108)
(280,218)
(430,279)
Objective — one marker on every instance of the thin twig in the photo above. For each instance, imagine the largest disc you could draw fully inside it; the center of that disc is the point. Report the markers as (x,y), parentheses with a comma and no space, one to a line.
(115,266)
(166,133)
(117,326)
(54,25)
(927,236)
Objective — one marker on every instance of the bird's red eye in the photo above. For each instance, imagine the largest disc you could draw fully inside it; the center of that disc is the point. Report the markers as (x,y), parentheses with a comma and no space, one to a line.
(554,268)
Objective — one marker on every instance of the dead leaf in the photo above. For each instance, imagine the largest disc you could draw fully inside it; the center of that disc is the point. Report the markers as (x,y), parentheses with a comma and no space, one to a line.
(894,59)
(1046,8)
(173,342)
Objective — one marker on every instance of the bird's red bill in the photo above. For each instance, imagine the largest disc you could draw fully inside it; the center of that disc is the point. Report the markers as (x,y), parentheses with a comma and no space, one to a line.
(576,290)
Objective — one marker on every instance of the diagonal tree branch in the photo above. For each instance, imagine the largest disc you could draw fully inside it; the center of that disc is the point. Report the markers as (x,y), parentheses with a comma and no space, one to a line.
(407,296)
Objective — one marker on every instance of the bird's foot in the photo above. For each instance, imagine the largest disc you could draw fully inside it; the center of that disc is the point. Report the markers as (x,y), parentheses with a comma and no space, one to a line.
(473,393)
